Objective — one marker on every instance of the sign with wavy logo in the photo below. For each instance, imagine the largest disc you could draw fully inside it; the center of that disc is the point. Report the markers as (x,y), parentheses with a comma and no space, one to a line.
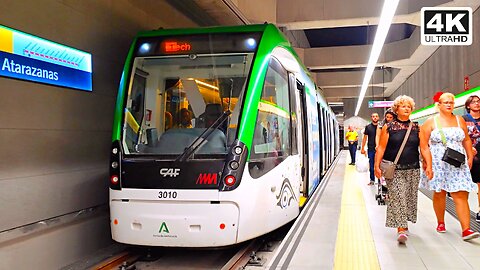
(26,57)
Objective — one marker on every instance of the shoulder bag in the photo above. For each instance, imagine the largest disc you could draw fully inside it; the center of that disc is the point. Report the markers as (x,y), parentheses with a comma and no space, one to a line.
(386,166)
(451,156)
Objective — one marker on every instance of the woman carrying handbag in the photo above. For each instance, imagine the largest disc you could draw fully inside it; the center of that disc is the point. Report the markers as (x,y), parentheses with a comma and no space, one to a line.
(452,156)
(398,150)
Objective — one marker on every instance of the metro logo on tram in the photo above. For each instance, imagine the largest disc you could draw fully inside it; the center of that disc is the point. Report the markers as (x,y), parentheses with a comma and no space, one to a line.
(207,179)
(173,46)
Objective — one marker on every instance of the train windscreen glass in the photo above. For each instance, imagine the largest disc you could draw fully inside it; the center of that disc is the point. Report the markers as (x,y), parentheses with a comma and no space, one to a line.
(180,87)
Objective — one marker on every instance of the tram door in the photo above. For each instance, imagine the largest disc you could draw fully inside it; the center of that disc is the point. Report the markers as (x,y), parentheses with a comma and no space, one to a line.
(320,136)
(302,141)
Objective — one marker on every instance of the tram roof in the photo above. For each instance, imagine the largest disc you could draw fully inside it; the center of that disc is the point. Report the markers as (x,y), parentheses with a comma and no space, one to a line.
(206,30)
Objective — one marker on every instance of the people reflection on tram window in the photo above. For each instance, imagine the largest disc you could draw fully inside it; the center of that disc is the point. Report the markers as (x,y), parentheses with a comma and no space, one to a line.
(441,132)
(185,119)
(403,187)
(352,137)
(472,118)
(271,135)
(168,120)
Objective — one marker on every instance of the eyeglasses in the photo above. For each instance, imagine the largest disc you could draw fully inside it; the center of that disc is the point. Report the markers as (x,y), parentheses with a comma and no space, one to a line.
(475,101)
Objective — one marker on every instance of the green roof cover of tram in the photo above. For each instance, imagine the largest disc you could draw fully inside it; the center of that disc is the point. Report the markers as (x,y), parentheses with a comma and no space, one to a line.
(271,39)
(471,91)
(204,30)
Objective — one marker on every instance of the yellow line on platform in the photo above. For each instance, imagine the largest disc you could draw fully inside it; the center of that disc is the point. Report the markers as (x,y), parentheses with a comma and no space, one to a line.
(355,248)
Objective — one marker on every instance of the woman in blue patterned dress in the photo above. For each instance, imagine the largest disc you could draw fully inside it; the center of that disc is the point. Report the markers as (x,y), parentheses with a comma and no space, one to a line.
(446,177)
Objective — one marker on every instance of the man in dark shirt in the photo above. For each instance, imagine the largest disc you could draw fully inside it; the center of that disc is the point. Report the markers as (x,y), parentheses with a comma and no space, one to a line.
(370,134)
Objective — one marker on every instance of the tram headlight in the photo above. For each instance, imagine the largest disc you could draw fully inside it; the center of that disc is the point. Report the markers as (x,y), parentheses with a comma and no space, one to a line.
(144,48)
(237,150)
(114,165)
(234,165)
(250,43)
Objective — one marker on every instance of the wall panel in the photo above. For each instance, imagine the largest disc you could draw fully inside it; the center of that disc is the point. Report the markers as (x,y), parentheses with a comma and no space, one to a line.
(56,141)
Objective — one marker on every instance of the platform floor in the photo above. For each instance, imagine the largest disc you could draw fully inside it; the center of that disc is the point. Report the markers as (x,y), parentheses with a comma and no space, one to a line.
(343,227)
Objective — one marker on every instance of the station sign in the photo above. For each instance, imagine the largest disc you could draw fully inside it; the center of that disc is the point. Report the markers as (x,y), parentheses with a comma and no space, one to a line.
(380,104)
(26,57)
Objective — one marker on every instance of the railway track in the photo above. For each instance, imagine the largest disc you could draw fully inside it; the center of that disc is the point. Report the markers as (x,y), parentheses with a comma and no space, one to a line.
(252,253)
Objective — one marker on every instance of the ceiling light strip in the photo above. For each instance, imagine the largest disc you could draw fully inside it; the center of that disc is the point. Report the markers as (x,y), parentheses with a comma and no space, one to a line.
(388,11)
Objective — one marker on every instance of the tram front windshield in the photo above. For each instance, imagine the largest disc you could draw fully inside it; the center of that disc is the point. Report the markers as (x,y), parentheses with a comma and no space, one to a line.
(177,98)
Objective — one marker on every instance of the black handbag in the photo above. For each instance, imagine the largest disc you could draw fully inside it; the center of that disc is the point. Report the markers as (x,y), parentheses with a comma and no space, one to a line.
(451,156)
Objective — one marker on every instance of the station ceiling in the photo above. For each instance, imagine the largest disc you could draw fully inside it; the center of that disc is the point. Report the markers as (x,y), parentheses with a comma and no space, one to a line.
(334,38)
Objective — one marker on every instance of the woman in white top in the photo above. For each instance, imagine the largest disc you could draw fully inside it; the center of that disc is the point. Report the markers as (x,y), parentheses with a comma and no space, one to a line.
(446,177)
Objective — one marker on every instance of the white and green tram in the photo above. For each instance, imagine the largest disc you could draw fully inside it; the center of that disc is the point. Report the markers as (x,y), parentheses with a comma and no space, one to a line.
(220,135)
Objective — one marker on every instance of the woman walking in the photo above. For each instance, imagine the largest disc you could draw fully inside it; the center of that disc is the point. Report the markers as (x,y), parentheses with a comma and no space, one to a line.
(439,132)
(403,187)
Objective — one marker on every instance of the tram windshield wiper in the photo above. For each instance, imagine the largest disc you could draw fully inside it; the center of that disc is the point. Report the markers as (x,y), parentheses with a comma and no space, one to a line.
(202,137)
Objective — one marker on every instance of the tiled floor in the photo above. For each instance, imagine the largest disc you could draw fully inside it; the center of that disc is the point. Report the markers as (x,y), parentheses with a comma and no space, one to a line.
(426,249)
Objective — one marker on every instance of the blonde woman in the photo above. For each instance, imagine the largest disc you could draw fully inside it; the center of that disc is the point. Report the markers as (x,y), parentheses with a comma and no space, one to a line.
(403,188)
(438,132)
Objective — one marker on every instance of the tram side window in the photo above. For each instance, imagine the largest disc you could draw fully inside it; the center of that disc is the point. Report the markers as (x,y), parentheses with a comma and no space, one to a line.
(293,115)
(271,139)
(137,107)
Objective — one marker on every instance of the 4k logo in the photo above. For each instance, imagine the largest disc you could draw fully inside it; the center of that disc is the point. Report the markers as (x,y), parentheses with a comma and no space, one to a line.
(446,26)
(163,228)
(170,172)
(207,179)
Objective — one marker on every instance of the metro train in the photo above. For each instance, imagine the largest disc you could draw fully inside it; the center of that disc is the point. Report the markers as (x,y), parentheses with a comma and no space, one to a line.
(423,114)
(220,135)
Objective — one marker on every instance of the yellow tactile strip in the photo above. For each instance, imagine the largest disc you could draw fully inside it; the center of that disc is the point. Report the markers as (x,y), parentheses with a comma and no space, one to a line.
(354,248)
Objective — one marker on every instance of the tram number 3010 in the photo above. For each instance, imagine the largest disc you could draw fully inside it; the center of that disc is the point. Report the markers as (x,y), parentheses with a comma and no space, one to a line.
(167,194)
